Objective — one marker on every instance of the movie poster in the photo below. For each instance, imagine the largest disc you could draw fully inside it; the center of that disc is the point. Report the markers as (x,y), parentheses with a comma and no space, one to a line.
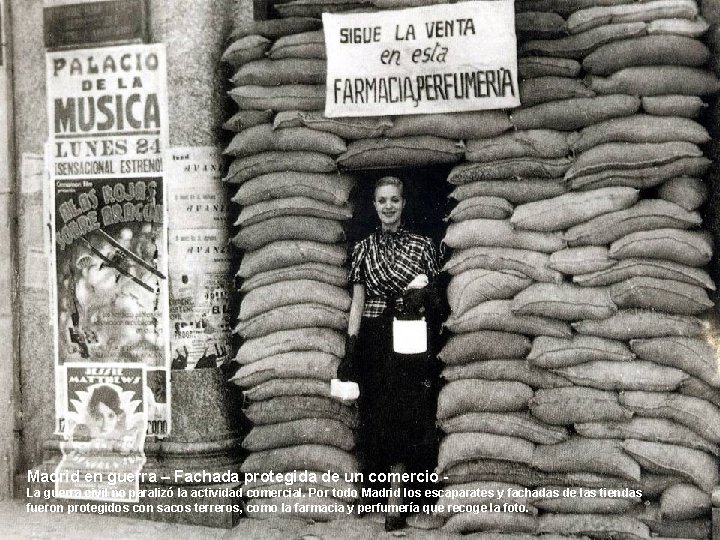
(111,272)
(108,120)
(104,433)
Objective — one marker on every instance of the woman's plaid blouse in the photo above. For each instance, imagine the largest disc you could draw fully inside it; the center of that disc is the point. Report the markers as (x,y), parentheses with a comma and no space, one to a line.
(386,262)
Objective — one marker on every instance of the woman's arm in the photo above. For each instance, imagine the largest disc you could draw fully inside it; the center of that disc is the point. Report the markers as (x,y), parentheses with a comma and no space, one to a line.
(356,309)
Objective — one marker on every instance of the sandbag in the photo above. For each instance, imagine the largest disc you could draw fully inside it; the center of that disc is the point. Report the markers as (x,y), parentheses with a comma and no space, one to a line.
(570,114)
(331,188)
(694,387)
(500,233)
(647,214)
(581,260)
(291,206)
(583,505)
(286,293)
(660,294)
(466,125)
(690,193)
(684,501)
(571,405)
(479,493)
(321,340)
(327,273)
(698,467)
(497,315)
(472,287)
(586,19)
(695,356)
(545,143)
(637,375)
(551,353)
(306,456)
(684,247)
(316,364)
(531,263)
(246,119)
(639,128)
(646,51)
(520,425)
(631,324)
(699,415)
(504,471)
(297,386)
(657,81)
(347,128)
(517,192)
(483,345)
(288,408)
(600,456)
(504,522)
(481,208)
(580,45)
(245,50)
(243,169)
(303,45)
(288,253)
(275,28)
(267,72)
(563,7)
(505,370)
(542,66)
(643,177)
(308,97)
(290,317)
(678,27)
(459,447)
(262,138)
(594,525)
(675,105)
(549,88)
(321,431)
(622,156)
(648,429)
(571,208)
(564,301)
(412,151)
(477,395)
(539,25)
(652,268)
(289,228)
(520,167)
(315,8)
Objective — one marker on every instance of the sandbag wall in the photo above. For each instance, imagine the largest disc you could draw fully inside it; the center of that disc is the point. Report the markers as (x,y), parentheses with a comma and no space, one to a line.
(293,314)
(578,357)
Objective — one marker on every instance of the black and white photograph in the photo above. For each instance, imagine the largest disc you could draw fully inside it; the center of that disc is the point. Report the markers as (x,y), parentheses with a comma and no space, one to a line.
(348,269)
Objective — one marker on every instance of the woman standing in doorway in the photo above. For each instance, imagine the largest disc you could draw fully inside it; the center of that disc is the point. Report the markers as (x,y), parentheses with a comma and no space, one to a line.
(393,272)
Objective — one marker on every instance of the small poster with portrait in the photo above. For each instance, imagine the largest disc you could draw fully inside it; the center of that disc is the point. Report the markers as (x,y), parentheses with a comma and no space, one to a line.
(104,432)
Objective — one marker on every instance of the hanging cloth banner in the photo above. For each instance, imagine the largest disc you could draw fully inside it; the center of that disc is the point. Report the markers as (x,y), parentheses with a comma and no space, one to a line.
(108,120)
(432,59)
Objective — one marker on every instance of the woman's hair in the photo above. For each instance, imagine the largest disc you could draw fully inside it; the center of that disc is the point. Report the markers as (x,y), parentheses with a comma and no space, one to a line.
(107,395)
(389,181)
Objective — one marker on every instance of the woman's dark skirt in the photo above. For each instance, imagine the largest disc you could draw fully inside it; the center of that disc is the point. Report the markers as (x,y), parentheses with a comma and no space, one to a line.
(397,402)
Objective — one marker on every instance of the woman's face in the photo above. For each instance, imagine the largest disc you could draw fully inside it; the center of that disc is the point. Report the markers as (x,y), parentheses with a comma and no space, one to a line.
(103,420)
(389,204)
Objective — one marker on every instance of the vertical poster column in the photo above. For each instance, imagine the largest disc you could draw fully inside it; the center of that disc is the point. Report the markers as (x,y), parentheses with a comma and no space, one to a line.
(201,280)
(108,135)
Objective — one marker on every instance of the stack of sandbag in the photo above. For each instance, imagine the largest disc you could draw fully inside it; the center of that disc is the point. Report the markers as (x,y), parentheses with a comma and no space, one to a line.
(294,301)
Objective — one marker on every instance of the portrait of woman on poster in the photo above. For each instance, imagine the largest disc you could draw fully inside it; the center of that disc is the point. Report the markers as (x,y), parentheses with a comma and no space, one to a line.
(106,423)
(394,273)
